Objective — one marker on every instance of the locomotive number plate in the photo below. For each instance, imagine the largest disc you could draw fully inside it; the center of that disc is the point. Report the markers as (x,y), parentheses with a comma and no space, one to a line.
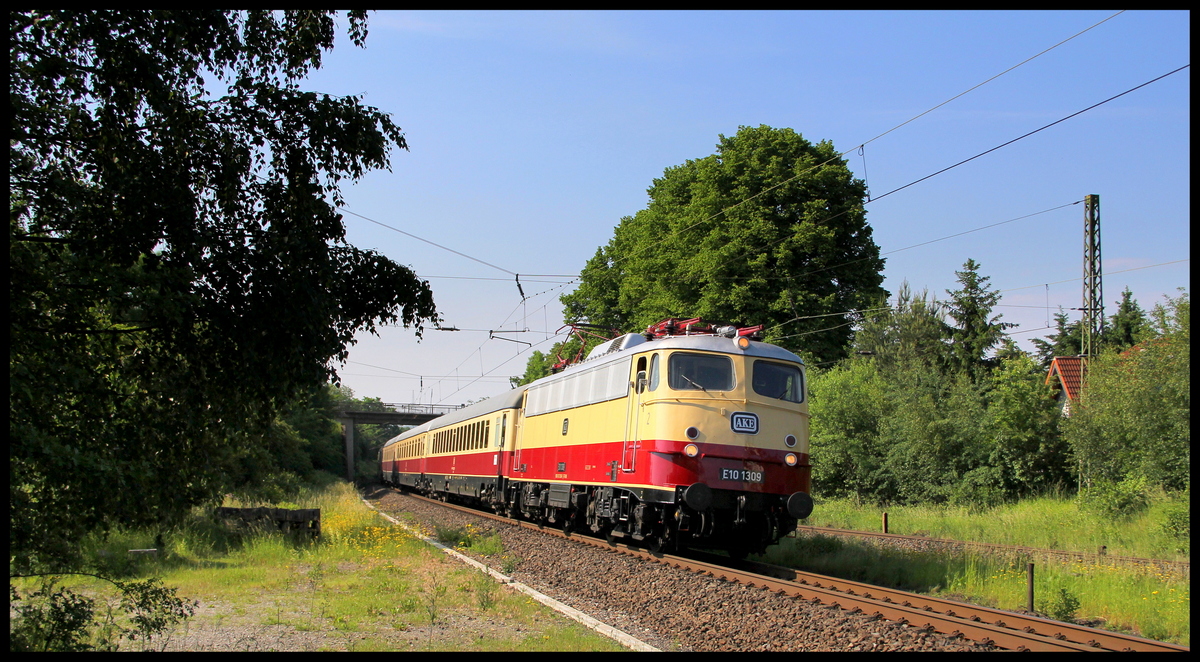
(743,475)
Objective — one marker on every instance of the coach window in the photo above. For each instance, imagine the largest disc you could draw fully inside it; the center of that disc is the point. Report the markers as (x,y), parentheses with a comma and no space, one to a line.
(699,372)
(654,372)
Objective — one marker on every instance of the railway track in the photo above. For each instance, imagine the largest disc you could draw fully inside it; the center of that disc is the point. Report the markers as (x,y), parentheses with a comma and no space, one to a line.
(1179,567)
(1003,629)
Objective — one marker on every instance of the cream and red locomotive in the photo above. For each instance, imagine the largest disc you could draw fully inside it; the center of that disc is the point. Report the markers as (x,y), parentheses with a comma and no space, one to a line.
(686,435)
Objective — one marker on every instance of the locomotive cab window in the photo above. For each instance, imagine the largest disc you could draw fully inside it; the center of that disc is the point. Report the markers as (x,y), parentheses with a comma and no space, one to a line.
(779,381)
(699,372)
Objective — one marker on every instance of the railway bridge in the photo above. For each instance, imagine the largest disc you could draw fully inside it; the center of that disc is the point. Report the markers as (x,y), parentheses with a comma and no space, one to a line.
(384,413)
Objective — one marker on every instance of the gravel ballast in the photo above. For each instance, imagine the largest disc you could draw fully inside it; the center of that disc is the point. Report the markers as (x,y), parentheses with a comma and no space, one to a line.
(673,609)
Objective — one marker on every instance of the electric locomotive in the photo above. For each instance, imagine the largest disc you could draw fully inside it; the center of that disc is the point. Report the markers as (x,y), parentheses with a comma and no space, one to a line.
(686,435)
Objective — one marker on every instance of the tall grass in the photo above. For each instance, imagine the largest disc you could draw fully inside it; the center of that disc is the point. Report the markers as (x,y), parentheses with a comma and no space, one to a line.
(377,583)
(1145,600)
(1051,522)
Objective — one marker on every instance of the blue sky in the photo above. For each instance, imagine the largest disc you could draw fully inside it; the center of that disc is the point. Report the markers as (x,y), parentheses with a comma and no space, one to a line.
(532,134)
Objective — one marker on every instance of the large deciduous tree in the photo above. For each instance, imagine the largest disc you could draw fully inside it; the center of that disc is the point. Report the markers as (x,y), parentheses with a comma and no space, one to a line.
(768,230)
(178,269)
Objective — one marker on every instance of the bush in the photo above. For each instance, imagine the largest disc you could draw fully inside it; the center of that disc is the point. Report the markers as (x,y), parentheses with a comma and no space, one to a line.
(1117,500)
(54,618)
(1177,522)
(1061,606)
(980,489)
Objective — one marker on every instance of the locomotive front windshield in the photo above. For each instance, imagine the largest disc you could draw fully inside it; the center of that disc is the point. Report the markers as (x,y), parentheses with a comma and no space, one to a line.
(699,372)
(779,381)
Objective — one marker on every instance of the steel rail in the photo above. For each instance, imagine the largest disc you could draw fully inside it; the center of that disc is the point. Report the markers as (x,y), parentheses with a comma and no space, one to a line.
(1091,638)
(1004,629)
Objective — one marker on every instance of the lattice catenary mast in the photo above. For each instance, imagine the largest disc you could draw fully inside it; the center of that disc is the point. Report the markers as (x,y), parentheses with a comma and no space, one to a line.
(1093,286)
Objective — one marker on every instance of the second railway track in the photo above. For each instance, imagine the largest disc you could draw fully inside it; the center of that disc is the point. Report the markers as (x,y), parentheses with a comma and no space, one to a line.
(1182,568)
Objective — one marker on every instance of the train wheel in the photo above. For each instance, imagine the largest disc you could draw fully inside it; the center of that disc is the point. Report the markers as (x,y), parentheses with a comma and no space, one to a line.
(656,545)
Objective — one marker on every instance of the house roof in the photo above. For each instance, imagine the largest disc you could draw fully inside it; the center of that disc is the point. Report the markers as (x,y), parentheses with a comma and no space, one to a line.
(1069,370)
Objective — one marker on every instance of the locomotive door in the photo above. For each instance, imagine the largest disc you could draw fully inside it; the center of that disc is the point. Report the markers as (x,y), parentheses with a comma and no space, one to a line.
(498,444)
(633,438)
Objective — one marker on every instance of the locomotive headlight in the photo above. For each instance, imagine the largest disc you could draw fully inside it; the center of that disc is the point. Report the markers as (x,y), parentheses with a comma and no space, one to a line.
(742,342)
(692,432)
(692,450)
(790,440)
(790,459)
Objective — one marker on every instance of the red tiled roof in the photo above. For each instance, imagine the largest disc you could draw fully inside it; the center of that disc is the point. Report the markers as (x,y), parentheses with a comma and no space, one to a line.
(1070,374)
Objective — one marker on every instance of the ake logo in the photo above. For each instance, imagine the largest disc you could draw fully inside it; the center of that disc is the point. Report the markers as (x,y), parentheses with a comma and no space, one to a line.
(744,422)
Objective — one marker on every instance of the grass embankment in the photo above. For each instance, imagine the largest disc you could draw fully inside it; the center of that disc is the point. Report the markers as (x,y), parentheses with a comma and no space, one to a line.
(366,585)
(1147,600)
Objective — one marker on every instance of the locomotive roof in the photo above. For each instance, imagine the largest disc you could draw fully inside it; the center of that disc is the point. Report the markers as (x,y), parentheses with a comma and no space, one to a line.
(723,345)
(512,398)
(507,400)
(705,343)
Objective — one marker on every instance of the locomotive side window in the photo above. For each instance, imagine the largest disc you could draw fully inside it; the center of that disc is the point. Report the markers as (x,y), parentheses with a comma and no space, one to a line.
(655,372)
(699,372)
(779,381)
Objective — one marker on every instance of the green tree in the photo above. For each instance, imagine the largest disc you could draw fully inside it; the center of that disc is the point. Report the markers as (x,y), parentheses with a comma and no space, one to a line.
(848,405)
(1134,418)
(976,330)
(1128,325)
(1022,420)
(934,436)
(913,331)
(178,270)
(768,230)
(1067,340)
(537,367)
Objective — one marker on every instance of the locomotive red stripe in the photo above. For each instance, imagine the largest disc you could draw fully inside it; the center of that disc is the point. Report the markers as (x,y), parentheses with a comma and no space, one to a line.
(655,462)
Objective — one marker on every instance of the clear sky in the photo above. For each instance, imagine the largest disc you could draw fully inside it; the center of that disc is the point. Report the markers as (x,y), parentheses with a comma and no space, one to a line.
(532,134)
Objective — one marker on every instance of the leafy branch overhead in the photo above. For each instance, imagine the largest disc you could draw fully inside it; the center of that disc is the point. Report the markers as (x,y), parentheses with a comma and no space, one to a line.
(178,269)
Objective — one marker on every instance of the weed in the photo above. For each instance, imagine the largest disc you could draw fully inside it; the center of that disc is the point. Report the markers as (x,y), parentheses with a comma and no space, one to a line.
(488,546)
(1061,605)
(451,536)
(486,589)
(431,596)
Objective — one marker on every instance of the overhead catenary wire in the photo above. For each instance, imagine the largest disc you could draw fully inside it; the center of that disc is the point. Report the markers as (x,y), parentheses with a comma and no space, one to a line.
(859,147)
(1043,128)
(898,250)
(910,184)
(972,158)
(865,143)
(1106,273)
(431,243)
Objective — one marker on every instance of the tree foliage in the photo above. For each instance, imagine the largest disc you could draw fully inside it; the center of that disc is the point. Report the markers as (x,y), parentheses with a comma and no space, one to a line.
(178,270)
(768,230)
(912,332)
(1128,326)
(924,415)
(1134,418)
(1067,340)
(976,331)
